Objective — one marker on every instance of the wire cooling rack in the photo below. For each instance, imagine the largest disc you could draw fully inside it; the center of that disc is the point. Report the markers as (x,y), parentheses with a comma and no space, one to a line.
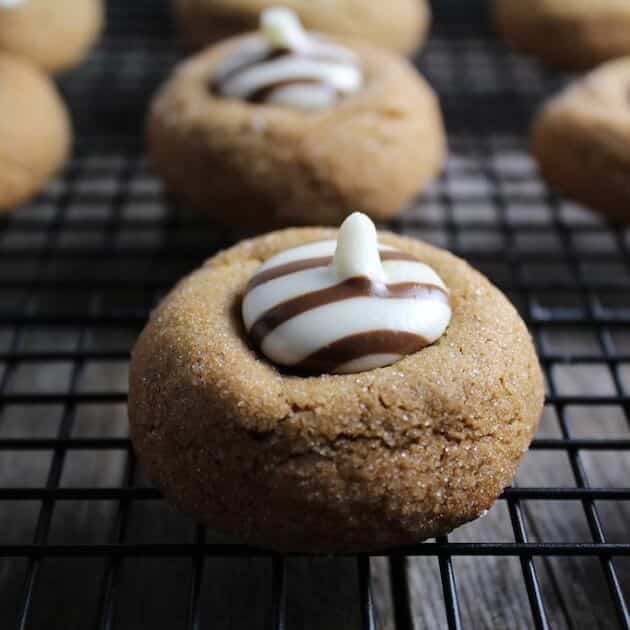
(86,543)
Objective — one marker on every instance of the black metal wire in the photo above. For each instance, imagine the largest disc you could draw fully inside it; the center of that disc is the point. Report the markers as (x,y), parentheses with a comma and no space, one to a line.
(278,594)
(54,474)
(112,567)
(453,613)
(188,550)
(529,570)
(365,594)
(89,227)
(401,597)
(194,608)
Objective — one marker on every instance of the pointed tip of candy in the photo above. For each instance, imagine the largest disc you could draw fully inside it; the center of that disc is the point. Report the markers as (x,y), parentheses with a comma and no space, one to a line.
(281,27)
(357,248)
(359,218)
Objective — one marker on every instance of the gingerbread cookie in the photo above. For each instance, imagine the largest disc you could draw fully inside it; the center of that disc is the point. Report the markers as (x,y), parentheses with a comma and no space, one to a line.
(309,396)
(54,34)
(572,33)
(35,132)
(401,25)
(581,140)
(286,128)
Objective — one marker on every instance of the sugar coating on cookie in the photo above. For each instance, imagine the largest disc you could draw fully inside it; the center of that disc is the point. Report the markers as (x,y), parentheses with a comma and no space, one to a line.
(344,306)
(284,65)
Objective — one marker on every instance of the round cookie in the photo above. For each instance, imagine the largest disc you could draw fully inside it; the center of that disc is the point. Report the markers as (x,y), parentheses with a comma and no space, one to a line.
(401,25)
(572,33)
(53,34)
(331,463)
(35,131)
(581,140)
(261,166)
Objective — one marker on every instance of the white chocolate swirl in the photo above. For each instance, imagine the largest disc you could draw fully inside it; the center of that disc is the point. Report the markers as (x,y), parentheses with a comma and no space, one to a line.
(345,306)
(287,66)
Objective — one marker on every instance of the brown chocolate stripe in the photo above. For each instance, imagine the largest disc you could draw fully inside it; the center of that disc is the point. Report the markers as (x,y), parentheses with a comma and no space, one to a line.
(351,288)
(336,354)
(313,263)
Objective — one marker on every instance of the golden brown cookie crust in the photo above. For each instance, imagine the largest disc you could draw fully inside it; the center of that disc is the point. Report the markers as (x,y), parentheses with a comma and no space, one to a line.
(331,463)
(35,133)
(401,25)
(53,34)
(581,140)
(266,166)
(570,33)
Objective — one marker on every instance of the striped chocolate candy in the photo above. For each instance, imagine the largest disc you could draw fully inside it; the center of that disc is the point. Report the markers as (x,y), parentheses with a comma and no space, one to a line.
(285,65)
(304,311)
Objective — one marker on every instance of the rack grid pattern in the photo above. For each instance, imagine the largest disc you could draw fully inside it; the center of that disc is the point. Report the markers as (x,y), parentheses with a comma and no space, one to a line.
(81,266)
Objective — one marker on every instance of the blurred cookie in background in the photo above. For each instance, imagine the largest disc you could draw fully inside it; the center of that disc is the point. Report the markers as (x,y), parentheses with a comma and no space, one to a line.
(287,127)
(581,140)
(400,25)
(54,34)
(35,132)
(570,33)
